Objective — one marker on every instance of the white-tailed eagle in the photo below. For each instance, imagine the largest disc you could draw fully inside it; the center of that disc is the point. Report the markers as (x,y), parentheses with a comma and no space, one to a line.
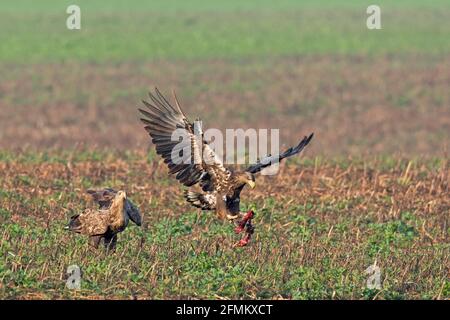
(221,186)
(103,224)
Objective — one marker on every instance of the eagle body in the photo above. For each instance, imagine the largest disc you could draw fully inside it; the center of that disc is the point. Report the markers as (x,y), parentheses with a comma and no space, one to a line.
(113,216)
(197,164)
(90,222)
(226,199)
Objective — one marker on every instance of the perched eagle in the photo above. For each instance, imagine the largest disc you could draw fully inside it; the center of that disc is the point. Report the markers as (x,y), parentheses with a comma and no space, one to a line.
(221,186)
(102,225)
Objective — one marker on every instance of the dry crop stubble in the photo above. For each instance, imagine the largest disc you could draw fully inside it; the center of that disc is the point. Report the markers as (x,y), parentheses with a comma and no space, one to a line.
(320,224)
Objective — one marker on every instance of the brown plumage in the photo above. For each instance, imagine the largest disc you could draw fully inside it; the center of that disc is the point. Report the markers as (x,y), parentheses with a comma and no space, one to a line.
(112,217)
(199,165)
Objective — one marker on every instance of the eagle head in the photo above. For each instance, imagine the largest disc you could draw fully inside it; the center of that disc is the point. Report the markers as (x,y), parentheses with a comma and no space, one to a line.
(246,178)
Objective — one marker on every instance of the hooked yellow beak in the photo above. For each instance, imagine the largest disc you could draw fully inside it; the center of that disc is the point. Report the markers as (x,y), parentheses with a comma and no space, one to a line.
(251,183)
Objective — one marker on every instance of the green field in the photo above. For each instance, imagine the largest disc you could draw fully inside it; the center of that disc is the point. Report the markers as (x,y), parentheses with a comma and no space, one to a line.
(315,235)
(372,187)
(147,30)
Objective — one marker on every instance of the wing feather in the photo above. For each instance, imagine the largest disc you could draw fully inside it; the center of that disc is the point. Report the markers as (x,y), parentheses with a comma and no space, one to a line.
(204,201)
(269,160)
(161,119)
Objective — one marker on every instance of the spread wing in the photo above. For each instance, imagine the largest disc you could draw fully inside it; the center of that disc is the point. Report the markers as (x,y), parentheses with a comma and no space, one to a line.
(181,144)
(269,160)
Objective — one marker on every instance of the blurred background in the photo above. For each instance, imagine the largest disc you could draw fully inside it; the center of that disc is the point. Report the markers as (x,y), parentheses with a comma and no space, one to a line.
(299,66)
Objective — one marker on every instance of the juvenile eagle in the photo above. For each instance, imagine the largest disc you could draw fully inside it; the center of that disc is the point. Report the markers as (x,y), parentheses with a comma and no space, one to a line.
(102,225)
(221,186)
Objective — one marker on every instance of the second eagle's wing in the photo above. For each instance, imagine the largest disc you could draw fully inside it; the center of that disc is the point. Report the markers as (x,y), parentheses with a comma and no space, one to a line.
(269,160)
(162,121)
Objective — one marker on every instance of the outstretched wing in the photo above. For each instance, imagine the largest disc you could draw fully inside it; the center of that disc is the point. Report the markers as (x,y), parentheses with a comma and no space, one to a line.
(180,144)
(269,160)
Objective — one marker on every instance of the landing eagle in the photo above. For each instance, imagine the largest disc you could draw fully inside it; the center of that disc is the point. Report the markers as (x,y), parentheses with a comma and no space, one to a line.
(221,185)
